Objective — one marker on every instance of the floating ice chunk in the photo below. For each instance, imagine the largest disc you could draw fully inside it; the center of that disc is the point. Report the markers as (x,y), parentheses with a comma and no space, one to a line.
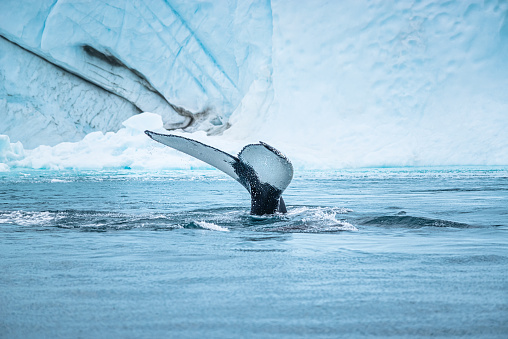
(129,148)
(9,152)
(144,121)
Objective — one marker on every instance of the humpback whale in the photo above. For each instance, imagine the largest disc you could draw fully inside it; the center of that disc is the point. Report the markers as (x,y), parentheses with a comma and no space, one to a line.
(261,169)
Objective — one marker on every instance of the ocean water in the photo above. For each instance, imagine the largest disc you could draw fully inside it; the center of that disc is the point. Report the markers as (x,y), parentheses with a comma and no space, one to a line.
(373,252)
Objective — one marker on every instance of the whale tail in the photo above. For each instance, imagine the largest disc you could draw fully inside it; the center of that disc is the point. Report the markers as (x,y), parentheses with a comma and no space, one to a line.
(261,169)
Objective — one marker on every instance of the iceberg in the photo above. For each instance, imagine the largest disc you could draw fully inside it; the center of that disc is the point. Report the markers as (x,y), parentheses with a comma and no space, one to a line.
(9,152)
(332,84)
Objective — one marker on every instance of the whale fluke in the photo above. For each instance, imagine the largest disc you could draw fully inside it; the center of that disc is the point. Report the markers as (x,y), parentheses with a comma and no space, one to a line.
(261,169)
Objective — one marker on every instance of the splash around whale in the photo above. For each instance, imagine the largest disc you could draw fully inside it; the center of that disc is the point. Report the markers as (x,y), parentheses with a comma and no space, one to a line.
(261,169)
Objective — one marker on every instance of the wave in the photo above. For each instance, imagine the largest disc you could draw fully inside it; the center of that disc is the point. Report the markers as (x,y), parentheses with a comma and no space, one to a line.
(297,220)
(313,220)
(406,221)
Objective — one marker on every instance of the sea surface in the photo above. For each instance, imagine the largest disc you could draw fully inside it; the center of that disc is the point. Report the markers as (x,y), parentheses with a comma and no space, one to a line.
(374,252)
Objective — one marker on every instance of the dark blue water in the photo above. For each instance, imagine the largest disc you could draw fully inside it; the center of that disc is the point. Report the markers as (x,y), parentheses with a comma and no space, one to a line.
(391,253)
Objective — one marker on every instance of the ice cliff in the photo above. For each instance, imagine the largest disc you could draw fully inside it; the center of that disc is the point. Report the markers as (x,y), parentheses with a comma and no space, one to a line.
(391,83)
(331,83)
(92,64)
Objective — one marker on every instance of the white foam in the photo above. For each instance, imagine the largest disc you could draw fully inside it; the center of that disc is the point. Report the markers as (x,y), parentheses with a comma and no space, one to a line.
(323,211)
(58,180)
(27,218)
(321,219)
(339,226)
(211,226)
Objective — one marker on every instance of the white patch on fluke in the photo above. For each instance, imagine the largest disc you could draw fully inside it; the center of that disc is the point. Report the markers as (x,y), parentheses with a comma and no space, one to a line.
(270,167)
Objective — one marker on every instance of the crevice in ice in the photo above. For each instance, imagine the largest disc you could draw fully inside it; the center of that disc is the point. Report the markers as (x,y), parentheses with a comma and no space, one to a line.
(46,20)
(182,44)
(200,44)
(113,61)
(70,72)
(190,117)
(207,75)
(197,119)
